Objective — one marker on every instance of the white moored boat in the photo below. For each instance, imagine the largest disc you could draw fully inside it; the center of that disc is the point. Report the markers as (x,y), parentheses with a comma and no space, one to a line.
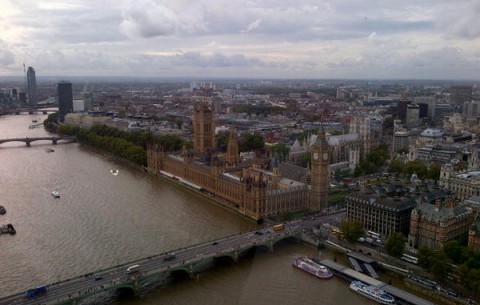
(372,292)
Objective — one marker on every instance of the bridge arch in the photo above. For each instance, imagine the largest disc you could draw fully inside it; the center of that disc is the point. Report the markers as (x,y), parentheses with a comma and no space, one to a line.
(179,275)
(124,292)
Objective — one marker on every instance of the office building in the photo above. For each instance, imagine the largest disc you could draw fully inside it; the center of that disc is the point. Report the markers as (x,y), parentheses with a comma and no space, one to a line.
(426,104)
(32,87)
(382,210)
(412,119)
(433,225)
(460,95)
(65,99)
(471,109)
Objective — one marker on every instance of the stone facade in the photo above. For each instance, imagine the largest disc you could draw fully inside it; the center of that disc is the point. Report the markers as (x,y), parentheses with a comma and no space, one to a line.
(474,235)
(465,183)
(432,225)
(255,188)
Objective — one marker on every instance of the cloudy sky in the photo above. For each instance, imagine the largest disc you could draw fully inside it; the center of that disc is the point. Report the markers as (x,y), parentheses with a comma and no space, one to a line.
(414,39)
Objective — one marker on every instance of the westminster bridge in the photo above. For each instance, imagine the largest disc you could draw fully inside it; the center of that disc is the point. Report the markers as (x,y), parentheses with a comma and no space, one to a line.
(28,140)
(155,271)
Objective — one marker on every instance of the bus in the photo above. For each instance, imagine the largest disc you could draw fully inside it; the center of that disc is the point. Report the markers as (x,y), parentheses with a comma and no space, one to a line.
(133,269)
(374,235)
(410,259)
(337,233)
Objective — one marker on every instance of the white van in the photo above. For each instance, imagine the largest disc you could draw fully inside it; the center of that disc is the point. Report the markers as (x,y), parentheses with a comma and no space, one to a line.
(133,268)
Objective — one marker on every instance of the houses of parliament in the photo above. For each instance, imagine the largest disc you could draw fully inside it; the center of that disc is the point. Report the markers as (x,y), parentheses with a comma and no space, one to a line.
(257,188)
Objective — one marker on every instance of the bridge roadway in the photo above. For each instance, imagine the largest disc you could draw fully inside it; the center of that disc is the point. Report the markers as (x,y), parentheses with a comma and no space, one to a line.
(29,110)
(28,140)
(155,271)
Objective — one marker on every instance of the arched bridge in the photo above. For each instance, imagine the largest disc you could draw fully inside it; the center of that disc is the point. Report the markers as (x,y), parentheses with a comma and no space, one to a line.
(141,276)
(28,140)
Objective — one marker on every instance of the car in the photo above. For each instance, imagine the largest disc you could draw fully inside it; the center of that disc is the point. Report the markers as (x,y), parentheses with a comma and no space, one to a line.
(258,233)
(98,278)
(169,257)
(215,243)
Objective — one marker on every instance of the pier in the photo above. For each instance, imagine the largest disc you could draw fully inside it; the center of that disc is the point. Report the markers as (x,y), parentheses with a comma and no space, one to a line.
(363,264)
(401,296)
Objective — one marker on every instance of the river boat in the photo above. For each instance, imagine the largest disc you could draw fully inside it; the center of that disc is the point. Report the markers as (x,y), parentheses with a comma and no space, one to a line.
(7,229)
(316,269)
(55,194)
(372,292)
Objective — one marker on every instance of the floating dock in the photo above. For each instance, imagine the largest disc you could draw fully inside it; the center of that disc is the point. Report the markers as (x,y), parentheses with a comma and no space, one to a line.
(401,296)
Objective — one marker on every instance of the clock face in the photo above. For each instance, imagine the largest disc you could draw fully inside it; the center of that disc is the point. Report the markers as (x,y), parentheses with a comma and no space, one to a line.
(325,156)
(315,156)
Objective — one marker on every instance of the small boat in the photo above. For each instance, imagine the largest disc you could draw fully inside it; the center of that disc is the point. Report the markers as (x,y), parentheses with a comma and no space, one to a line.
(49,150)
(55,194)
(314,268)
(114,171)
(2,210)
(372,292)
(4,229)
(34,121)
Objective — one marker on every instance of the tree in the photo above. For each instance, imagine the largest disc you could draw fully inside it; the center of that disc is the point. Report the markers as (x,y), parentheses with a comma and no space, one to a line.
(440,266)
(416,166)
(222,142)
(434,171)
(352,230)
(425,257)
(396,166)
(453,251)
(395,244)
(280,151)
(251,142)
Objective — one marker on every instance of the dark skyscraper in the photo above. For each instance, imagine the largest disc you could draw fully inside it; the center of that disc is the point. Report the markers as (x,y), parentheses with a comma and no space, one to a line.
(65,99)
(460,95)
(32,87)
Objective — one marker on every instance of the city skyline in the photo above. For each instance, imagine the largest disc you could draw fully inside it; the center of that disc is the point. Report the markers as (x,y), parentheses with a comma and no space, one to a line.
(257,39)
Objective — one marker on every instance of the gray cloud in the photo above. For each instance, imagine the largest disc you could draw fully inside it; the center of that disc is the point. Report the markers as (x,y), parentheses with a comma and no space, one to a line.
(462,22)
(297,38)
(6,57)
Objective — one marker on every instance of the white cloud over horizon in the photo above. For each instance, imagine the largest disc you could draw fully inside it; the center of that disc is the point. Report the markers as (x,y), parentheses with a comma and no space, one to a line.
(436,39)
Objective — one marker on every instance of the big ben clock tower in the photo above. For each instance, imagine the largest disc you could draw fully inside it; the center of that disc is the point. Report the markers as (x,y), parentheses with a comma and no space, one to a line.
(320,181)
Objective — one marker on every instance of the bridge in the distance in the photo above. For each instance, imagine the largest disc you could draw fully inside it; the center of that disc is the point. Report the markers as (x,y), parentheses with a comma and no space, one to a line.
(28,140)
(152,272)
(29,110)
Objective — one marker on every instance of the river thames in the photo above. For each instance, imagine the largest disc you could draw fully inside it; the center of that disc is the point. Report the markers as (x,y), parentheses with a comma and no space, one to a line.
(102,220)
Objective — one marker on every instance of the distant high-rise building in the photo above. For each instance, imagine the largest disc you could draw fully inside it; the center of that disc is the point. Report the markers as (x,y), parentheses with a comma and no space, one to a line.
(471,109)
(88,100)
(413,116)
(460,95)
(430,101)
(65,99)
(402,109)
(14,93)
(32,87)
